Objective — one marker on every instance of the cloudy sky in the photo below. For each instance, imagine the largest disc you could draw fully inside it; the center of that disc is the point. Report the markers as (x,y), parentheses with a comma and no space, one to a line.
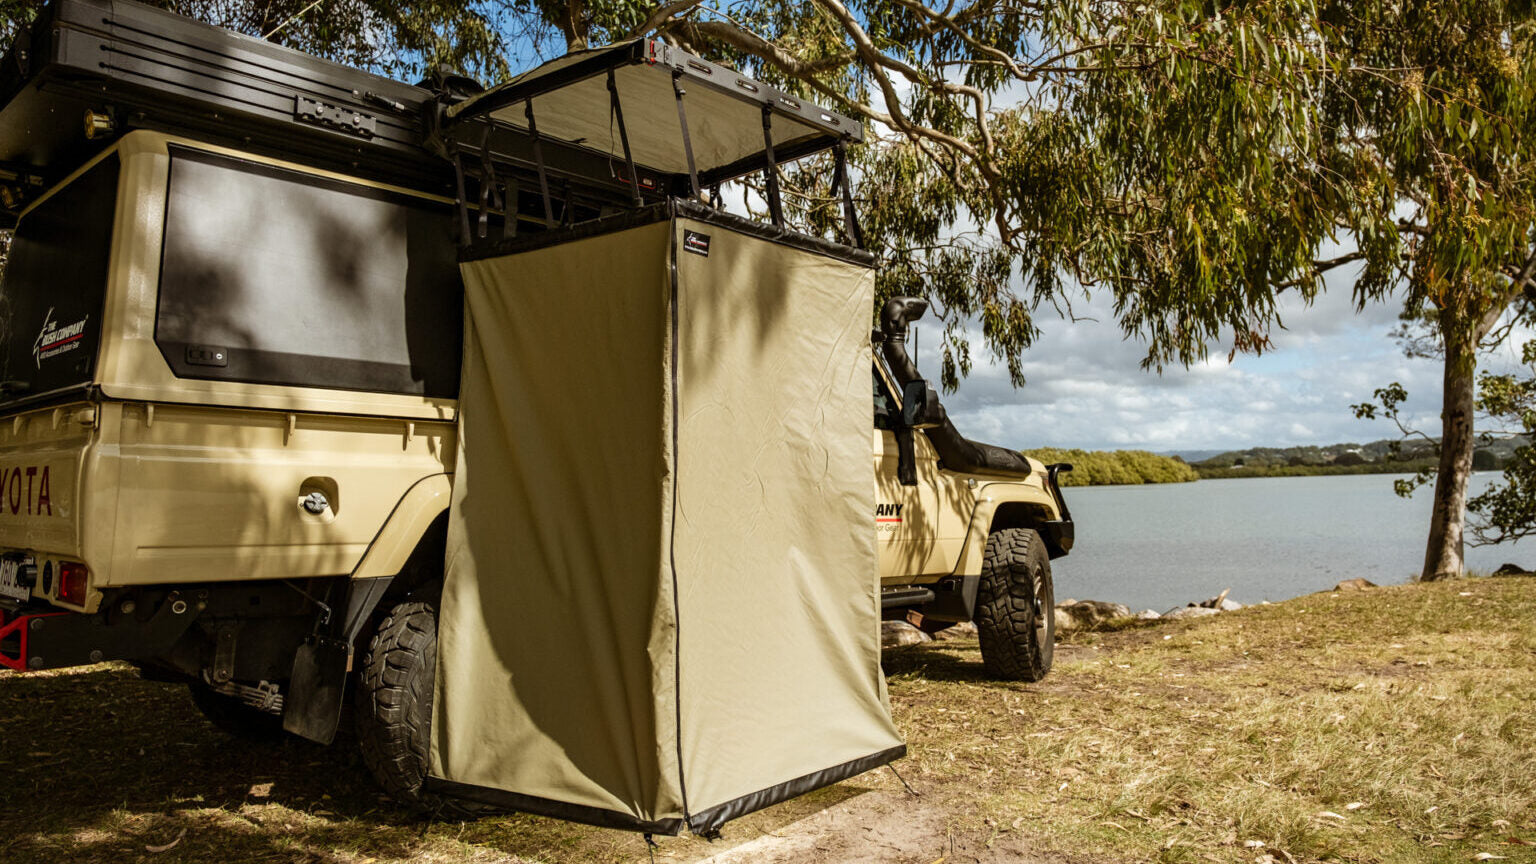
(1086,388)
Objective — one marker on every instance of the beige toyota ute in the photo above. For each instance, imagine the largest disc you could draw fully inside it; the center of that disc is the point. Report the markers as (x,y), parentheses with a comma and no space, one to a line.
(231,329)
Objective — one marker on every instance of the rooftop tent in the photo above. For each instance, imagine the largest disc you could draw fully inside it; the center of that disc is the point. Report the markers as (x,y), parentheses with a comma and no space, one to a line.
(661,607)
(134,66)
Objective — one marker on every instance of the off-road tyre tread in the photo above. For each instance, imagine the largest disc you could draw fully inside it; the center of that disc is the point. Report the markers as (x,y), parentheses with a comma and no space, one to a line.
(1011,647)
(392,707)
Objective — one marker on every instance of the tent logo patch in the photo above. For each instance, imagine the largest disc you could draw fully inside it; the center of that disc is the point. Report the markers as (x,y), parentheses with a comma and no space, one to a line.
(696,243)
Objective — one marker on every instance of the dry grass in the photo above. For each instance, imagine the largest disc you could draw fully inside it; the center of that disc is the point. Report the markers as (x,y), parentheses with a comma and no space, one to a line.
(1179,742)
(1406,711)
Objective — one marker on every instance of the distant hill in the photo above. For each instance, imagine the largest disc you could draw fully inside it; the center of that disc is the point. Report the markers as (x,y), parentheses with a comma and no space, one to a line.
(1192,456)
(1347,458)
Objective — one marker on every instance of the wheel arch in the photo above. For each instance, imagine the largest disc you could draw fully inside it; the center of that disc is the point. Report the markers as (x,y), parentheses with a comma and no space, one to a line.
(422,511)
(999,506)
(1020,514)
(405,557)
(1048,518)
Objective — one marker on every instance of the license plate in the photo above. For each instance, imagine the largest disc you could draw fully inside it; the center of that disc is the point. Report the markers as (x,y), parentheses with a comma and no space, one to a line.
(9,586)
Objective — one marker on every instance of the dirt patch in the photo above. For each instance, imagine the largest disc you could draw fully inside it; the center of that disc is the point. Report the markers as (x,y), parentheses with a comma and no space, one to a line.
(879,827)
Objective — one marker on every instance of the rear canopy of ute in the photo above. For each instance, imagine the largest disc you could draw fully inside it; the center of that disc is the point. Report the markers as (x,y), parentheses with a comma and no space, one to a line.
(661,599)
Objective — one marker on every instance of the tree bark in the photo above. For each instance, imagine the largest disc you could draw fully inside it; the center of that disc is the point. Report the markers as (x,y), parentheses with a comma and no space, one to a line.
(575,27)
(1443,554)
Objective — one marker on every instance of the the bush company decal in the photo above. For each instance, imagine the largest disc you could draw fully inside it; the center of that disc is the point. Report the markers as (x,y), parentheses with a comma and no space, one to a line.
(887,516)
(696,243)
(55,340)
(24,489)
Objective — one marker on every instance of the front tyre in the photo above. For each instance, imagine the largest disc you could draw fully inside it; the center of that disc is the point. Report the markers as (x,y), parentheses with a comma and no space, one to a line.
(1015,606)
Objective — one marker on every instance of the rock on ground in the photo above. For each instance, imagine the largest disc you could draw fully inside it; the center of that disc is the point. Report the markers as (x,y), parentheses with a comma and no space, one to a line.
(960,631)
(1512,570)
(1064,620)
(894,634)
(1220,603)
(1189,612)
(1354,585)
(1147,615)
(1090,613)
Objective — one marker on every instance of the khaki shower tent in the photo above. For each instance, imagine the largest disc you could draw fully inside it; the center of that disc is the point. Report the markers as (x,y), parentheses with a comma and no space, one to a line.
(661,604)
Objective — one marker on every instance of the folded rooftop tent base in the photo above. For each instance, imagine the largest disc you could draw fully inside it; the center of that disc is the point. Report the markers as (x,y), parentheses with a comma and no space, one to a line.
(661,605)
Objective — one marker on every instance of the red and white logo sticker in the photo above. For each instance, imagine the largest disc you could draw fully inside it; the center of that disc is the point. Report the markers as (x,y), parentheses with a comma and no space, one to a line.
(55,340)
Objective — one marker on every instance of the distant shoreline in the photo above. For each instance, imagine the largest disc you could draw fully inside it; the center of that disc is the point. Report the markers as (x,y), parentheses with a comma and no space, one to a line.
(1212,473)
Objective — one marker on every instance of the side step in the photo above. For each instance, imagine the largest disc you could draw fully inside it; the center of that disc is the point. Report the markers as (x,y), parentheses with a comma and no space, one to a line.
(907,595)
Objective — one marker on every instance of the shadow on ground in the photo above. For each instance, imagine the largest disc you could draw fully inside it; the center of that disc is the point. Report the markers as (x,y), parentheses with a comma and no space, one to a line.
(103,766)
(959,660)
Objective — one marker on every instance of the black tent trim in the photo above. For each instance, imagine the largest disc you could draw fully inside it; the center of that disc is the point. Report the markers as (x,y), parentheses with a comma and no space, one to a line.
(555,809)
(709,821)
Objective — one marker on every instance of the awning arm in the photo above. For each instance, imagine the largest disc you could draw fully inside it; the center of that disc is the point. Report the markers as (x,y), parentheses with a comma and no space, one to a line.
(771,170)
(538,157)
(841,181)
(682,121)
(617,112)
(509,226)
(458,178)
(490,192)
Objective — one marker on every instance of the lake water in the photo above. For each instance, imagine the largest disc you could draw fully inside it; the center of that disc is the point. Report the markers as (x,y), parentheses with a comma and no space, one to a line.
(1272,538)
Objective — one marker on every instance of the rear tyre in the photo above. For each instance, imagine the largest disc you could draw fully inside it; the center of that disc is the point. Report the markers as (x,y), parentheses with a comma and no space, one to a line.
(392,708)
(1016,606)
(235,718)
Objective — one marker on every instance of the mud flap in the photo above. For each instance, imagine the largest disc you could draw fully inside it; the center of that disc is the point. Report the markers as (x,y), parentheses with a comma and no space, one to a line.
(312,708)
(318,683)
(954,599)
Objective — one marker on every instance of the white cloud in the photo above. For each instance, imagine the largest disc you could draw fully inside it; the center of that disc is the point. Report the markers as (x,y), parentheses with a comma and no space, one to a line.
(1086,388)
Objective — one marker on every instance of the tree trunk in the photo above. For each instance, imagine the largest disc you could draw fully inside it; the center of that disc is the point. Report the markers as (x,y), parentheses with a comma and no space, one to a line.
(1443,555)
(574,27)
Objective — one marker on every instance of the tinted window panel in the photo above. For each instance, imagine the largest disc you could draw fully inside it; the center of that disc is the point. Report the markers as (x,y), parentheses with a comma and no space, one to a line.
(272,276)
(884,404)
(55,285)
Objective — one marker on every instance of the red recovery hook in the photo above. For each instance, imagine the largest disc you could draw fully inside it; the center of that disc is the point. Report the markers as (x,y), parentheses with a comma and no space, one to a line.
(18,626)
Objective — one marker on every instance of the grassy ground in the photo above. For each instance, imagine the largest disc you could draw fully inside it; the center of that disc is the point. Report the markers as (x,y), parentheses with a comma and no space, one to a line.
(1393,725)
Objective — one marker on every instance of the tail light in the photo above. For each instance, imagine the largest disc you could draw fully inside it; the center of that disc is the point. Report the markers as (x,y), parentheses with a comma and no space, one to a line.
(73,579)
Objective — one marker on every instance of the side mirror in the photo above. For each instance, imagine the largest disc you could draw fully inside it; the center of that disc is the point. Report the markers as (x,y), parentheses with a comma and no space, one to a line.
(920,408)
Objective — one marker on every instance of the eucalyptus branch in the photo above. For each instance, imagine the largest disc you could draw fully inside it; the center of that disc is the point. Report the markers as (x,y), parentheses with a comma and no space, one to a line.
(661,15)
(1318,269)
(945,21)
